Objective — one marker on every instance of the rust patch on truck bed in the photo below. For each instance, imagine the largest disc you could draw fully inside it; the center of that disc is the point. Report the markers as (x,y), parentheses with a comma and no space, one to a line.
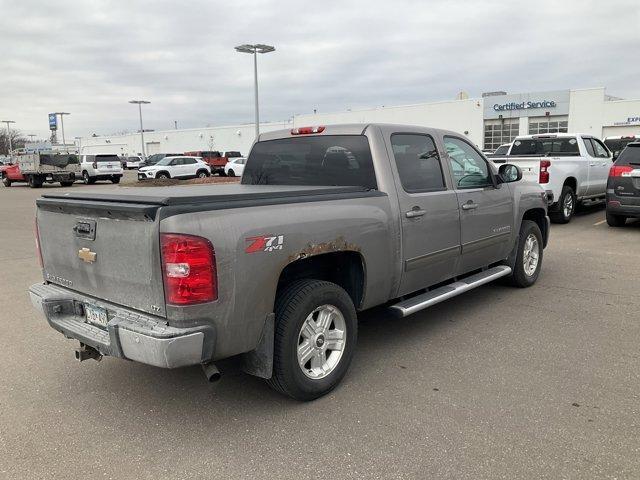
(312,249)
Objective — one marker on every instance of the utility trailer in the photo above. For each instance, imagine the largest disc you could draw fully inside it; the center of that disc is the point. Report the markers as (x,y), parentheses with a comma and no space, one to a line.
(37,168)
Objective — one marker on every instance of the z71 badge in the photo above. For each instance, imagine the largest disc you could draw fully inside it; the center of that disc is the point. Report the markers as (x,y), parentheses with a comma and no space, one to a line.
(266,243)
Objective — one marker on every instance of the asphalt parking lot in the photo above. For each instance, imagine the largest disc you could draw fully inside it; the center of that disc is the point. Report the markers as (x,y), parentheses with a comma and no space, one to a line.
(499,383)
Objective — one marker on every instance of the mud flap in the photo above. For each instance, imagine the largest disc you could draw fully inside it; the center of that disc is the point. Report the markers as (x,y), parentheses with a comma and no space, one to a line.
(259,362)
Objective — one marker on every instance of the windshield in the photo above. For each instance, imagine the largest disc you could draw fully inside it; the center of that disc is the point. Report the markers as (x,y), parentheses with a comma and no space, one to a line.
(340,160)
(618,144)
(561,147)
(502,150)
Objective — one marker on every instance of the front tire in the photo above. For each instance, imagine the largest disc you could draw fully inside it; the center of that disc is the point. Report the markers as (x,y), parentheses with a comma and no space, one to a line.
(6,182)
(616,220)
(87,180)
(115,180)
(566,206)
(529,256)
(163,176)
(66,184)
(315,339)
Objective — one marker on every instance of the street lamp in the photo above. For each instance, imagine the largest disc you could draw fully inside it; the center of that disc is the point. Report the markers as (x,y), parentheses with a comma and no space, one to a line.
(255,49)
(62,114)
(9,134)
(79,139)
(140,103)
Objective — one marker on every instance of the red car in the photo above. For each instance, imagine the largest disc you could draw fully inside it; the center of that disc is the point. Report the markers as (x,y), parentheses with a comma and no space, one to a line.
(10,174)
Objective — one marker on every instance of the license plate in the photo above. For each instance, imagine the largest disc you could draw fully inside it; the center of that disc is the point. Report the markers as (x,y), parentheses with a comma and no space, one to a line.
(96,315)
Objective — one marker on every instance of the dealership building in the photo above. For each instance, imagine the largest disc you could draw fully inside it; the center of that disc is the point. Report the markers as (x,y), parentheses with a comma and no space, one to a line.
(488,121)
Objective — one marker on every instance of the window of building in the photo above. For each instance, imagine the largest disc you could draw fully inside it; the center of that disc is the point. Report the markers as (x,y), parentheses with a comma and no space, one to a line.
(418,162)
(542,125)
(499,132)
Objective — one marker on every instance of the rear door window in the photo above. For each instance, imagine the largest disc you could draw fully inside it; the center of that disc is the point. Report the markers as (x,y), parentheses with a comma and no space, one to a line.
(331,160)
(601,151)
(418,162)
(589,146)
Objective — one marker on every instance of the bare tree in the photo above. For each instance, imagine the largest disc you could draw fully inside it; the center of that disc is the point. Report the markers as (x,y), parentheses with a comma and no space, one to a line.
(17,141)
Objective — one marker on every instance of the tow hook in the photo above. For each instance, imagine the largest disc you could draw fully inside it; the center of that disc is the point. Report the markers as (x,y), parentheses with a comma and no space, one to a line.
(85,352)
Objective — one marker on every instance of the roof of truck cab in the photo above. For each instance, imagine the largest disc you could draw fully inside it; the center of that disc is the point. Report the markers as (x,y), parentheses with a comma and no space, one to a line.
(352,129)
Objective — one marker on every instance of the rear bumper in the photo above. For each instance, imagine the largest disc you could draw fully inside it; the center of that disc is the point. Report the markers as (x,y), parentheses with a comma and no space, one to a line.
(129,334)
(626,210)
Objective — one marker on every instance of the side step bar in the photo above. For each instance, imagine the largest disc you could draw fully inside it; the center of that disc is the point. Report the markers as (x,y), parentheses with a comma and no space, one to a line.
(427,299)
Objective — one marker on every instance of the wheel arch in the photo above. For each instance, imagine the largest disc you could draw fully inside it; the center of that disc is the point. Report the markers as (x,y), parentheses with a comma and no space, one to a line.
(539,216)
(345,268)
(571,182)
(163,172)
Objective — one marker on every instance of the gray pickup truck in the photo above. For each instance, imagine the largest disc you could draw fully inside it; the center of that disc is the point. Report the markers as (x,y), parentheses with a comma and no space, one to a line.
(327,221)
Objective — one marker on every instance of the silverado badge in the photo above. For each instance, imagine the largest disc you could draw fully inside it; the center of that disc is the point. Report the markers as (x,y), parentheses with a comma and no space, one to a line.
(87,255)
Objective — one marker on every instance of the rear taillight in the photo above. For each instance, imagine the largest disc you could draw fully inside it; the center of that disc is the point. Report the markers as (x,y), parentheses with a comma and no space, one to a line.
(36,232)
(306,130)
(619,170)
(544,171)
(94,165)
(188,269)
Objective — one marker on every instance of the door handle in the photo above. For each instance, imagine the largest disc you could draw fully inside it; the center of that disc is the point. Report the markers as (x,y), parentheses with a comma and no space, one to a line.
(592,164)
(469,205)
(415,212)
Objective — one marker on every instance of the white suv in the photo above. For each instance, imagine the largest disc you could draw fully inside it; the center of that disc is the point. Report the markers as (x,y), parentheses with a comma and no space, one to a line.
(100,167)
(176,167)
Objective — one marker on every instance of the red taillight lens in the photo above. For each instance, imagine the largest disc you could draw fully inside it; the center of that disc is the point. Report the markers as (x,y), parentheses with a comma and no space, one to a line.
(36,232)
(619,170)
(306,130)
(543,177)
(188,269)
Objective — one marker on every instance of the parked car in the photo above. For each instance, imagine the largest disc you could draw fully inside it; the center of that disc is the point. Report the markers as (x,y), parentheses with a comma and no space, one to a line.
(176,167)
(623,187)
(375,215)
(570,167)
(617,143)
(133,162)
(235,167)
(38,168)
(216,160)
(501,151)
(156,157)
(105,166)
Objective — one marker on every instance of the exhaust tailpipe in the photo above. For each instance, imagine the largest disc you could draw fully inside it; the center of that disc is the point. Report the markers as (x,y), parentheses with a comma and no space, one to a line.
(211,372)
(85,352)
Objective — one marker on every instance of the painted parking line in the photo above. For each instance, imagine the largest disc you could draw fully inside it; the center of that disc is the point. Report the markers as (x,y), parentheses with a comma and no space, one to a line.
(599,223)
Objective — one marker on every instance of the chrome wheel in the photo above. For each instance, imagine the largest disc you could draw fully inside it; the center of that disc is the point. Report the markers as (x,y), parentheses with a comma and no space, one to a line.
(567,205)
(531,255)
(321,342)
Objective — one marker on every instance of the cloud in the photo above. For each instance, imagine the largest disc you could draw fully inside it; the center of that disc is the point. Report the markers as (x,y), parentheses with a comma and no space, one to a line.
(89,58)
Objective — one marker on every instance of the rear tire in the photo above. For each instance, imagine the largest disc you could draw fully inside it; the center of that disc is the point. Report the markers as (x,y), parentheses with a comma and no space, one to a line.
(6,182)
(231,173)
(616,220)
(529,256)
(305,366)
(34,181)
(566,206)
(66,184)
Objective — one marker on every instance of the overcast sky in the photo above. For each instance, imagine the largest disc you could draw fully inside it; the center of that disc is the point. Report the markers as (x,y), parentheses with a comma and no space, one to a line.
(90,57)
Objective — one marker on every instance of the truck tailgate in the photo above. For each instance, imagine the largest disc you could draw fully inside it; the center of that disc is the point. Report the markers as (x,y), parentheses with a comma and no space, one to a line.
(530,166)
(107,250)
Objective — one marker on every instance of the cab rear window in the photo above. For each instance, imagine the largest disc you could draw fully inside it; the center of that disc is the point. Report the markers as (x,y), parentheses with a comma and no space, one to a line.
(561,147)
(331,160)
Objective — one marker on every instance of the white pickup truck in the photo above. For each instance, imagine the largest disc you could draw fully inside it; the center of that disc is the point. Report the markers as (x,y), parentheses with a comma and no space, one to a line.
(570,167)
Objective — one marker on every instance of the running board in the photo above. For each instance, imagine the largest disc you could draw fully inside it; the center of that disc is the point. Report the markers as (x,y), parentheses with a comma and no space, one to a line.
(427,299)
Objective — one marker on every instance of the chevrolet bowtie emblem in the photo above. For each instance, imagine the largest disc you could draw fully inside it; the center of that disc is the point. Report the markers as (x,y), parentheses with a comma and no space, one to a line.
(87,255)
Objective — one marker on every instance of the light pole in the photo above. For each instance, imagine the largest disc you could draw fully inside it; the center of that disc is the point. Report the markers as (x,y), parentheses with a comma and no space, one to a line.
(140,103)
(255,49)
(79,139)
(62,114)
(8,122)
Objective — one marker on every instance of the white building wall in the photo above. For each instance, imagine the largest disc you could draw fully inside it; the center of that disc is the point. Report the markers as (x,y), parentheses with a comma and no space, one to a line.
(462,116)
(235,137)
(586,109)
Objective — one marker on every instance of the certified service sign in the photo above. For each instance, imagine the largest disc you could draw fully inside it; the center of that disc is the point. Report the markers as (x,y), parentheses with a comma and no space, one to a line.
(527,104)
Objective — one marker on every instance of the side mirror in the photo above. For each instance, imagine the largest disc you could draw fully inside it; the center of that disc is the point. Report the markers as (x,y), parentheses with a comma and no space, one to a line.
(509,173)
